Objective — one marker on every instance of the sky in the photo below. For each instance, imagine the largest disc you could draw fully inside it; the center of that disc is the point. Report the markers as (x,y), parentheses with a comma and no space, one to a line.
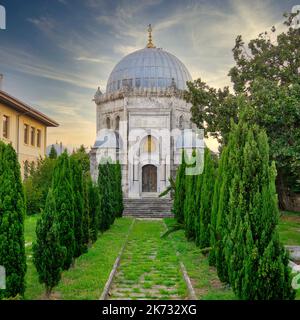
(55,53)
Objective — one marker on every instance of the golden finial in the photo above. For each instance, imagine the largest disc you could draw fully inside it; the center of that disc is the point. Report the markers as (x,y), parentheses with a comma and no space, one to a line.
(150,44)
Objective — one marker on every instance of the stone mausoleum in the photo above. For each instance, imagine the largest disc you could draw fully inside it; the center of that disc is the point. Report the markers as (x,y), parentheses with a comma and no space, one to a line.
(140,118)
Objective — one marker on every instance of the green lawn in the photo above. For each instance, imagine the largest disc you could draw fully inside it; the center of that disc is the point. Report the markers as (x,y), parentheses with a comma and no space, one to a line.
(203,277)
(149,267)
(289,228)
(86,280)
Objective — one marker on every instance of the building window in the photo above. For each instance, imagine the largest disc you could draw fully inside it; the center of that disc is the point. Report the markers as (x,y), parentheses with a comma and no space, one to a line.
(181,123)
(108,123)
(38,138)
(149,145)
(6,127)
(32,136)
(137,82)
(26,133)
(117,123)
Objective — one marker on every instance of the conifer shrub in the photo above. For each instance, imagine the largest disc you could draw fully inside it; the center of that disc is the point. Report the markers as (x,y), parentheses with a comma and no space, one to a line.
(64,199)
(12,214)
(179,194)
(48,254)
(206,191)
(77,190)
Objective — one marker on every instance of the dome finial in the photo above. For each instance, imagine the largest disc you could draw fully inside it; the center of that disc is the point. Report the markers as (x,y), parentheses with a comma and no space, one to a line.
(150,44)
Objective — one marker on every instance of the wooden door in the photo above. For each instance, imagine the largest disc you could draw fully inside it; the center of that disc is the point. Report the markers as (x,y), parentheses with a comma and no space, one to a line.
(149,177)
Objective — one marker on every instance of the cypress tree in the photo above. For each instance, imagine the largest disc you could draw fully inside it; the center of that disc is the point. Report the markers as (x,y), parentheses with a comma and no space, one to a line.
(179,196)
(231,159)
(214,212)
(105,191)
(86,208)
(48,255)
(207,188)
(77,188)
(119,192)
(189,207)
(64,199)
(12,213)
(257,261)
(111,188)
(53,153)
(94,210)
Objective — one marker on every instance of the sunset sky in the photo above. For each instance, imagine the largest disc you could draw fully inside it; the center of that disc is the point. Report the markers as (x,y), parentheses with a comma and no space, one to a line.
(55,53)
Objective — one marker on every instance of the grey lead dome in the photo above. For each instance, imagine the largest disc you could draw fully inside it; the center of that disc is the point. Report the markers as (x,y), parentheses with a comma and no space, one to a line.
(148,68)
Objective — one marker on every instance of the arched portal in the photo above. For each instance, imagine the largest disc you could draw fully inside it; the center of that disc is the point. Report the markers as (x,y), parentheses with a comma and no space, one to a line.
(149,177)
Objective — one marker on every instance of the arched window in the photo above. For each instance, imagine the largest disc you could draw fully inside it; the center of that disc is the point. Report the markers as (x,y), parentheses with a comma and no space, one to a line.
(108,123)
(149,145)
(117,123)
(181,122)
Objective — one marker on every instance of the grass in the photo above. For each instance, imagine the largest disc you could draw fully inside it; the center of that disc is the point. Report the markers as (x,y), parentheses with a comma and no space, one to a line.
(289,228)
(86,280)
(149,267)
(203,277)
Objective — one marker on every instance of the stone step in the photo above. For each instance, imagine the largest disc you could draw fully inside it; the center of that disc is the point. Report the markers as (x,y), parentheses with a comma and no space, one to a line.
(148,208)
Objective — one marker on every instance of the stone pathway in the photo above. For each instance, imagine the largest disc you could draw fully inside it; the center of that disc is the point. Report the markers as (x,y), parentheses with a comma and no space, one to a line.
(149,267)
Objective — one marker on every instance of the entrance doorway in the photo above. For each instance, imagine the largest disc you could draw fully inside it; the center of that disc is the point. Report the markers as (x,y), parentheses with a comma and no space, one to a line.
(149,178)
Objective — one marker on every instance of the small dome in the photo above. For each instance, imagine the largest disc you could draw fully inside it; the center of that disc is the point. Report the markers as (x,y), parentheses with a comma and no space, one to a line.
(148,68)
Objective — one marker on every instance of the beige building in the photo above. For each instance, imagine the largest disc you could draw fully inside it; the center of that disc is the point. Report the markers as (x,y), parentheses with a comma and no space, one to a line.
(24,127)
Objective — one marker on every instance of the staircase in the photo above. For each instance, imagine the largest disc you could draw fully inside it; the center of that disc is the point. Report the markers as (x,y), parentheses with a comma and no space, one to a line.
(148,208)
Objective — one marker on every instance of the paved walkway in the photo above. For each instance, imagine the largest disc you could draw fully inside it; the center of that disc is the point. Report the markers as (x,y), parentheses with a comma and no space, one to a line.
(149,267)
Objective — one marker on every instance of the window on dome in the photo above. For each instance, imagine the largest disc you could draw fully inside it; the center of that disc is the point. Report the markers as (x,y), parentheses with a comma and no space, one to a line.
(119,84)
(149,145)
(130,82)
(146,83)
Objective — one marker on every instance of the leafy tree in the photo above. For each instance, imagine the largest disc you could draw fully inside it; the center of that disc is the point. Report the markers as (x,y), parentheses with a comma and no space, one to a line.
(33,197)
(267,75)
(37,185)
(12,213)
(48,255)
(64,199)
(207,189)
(53,153)
(179,196)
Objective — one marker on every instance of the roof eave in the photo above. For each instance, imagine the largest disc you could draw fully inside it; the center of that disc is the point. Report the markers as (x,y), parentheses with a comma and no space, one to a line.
(25,109)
